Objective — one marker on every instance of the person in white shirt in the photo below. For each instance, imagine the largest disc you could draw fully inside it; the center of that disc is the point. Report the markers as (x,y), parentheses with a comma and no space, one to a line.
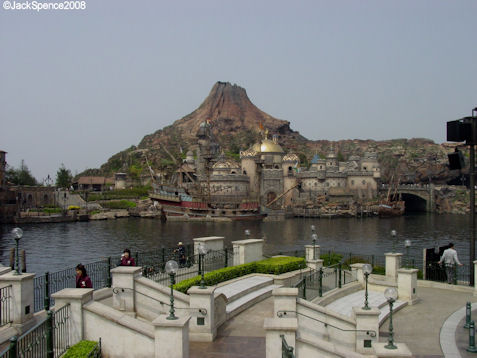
(450,259)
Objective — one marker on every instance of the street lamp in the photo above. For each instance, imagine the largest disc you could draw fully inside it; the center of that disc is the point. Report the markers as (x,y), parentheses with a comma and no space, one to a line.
(171,269)
(391,295)
(314,237)
(407,244)
(17,235)
(202,252)
(247,234)
(367,269)
(393,236)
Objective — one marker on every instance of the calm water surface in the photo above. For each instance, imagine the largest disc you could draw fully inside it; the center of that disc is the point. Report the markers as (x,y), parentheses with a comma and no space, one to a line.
(53,247)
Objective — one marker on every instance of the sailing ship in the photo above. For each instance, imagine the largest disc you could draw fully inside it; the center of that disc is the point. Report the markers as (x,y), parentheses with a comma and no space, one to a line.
(392,207)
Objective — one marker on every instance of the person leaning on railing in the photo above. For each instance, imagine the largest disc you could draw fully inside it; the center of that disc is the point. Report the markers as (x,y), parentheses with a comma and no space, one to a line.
(82,278)
(126,259)
(450,259)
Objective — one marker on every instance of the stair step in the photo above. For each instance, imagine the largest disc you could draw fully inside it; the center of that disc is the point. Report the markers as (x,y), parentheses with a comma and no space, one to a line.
(237,289)
(249,300)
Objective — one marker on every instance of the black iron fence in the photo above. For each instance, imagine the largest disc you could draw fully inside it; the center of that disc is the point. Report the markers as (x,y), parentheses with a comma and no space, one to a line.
(5,305)
(451,274)
(48,339)
(317,282)
(96,351)
(191,266)
(287,351)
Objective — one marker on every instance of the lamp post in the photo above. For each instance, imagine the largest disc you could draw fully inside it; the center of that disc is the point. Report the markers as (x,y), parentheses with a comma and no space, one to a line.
(393,237)
(391,295)
(17,235)
(367,269)
(247,234)
(202,252)
(407,244)
(171,269)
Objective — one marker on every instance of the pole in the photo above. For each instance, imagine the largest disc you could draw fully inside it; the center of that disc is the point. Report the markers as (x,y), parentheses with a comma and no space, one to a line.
(472,202)
(49,335)
(46,301)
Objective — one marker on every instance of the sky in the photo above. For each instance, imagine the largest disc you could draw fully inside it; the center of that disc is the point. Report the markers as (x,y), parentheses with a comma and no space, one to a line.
(77,86)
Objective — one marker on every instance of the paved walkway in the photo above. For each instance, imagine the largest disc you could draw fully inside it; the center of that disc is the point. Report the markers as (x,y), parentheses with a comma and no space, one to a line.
(242,336)
(419,326)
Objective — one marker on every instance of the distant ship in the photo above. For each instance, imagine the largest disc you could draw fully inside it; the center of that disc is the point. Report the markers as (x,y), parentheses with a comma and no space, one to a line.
(176,202)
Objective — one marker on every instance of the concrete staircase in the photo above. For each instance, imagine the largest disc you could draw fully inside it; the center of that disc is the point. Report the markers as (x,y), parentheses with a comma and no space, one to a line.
(345,304)
(244,293)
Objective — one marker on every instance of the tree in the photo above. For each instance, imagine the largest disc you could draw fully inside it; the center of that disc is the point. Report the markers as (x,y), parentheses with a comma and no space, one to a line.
(20,176)
(63,177)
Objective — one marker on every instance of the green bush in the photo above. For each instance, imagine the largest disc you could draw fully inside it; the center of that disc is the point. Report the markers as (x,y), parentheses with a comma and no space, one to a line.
(274,265)
(331,259)
(80,349)
(133,193)
(52,210)
(121,204)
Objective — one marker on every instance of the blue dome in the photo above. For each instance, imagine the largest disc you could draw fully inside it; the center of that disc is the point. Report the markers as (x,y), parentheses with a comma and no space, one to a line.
(315,159)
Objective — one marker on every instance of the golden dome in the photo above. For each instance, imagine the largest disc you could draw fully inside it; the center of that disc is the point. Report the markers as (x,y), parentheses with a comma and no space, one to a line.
(267,146)
(291,157)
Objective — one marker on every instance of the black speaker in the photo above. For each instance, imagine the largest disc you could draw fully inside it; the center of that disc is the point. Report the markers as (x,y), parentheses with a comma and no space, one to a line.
(459,131)
(456,160)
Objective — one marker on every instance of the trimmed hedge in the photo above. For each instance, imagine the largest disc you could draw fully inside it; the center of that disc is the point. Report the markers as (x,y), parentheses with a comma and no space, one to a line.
(274,265)
(121,204)
(80,350)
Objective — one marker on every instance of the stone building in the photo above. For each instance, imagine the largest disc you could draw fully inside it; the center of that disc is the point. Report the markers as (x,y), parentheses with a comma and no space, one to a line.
(8,202)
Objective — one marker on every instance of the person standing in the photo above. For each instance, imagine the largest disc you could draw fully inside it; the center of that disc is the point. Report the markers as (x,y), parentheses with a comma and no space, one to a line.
(126,259)
(181,254)
(82,278)
(450,259)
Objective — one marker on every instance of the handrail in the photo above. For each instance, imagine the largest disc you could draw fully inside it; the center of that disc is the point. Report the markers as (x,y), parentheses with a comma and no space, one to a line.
(202,311)
(42,322)
(369,332)
(287,351)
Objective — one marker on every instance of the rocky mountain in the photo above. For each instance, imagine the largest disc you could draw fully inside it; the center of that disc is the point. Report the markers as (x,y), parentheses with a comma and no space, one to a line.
(236,120)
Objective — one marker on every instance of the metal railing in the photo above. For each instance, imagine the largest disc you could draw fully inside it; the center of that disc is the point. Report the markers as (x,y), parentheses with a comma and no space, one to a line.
(5,305)
(284,313)
(96,351)
(287,351)
(99,273)
(451,274)
(48,339)
(317,282)
(190,267)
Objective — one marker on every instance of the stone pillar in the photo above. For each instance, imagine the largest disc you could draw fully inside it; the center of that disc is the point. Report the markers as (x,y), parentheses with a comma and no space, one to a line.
(366,320)
(357,270)
(315,264)
(284,299)
(123,288)
(309,252)
(76,297)
(22,296)
(393,264)
(171,337)
(202,327)
(211,243)
(246,251)
(407,285)
(275,327)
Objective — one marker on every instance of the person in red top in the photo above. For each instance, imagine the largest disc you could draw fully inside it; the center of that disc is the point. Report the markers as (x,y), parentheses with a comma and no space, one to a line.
(82,278)
(126,259)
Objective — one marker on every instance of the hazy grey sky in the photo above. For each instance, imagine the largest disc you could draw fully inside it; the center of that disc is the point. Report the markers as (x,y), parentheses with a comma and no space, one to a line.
(78,86)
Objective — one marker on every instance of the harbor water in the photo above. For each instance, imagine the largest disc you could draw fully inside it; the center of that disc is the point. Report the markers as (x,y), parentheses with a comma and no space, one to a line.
(53,247)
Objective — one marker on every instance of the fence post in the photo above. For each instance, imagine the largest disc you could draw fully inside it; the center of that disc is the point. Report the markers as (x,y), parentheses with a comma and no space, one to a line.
(320,284)
(110,280)
(12,349)
(372,260)
(136,258)
(49,335)
(226,257)
(339,275)
(455,274)
(163,254)
(46,300)
(304,288)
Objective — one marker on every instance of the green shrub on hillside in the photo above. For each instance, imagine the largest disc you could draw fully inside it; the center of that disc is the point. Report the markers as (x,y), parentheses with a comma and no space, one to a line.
(80,349)
(133,193)
(274,265)
(121,204)
(331,259)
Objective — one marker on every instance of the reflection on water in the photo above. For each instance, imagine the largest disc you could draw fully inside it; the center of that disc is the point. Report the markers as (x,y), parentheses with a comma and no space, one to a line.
(52,247)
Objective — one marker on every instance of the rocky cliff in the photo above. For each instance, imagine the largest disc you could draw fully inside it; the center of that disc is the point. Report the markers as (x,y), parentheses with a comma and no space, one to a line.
(236,120)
